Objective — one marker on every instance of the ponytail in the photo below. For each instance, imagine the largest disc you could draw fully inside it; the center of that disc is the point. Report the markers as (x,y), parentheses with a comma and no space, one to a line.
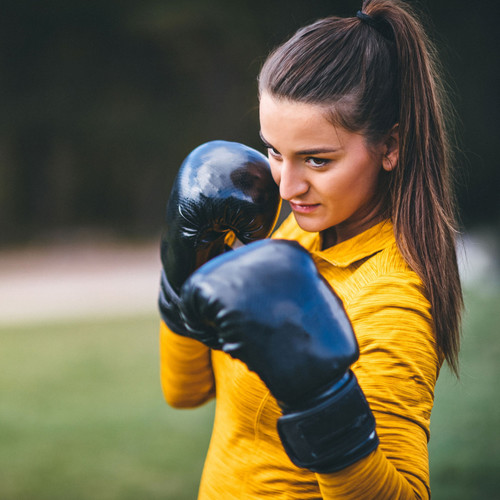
(422,201)
(371,72)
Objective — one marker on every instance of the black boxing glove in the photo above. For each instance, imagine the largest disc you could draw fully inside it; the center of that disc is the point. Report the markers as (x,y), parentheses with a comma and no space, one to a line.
(223,190)
(268,306)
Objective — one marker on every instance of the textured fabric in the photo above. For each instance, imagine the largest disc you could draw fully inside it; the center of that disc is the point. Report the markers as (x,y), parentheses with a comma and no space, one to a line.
(397,371)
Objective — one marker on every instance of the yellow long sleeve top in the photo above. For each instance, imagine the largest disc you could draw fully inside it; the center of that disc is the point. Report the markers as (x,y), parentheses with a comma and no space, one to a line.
(397,370)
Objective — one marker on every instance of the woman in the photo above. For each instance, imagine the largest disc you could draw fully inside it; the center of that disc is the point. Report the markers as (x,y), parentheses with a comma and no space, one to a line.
(353,118)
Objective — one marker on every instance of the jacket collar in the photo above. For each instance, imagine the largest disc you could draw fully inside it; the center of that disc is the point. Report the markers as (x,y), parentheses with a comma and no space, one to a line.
(363,245)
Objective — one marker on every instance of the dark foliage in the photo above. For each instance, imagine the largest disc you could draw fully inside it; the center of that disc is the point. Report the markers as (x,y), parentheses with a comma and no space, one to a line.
(102,100)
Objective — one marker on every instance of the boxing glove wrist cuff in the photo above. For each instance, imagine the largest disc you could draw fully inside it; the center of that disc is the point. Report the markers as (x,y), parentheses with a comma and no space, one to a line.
(332,435)
(170,307)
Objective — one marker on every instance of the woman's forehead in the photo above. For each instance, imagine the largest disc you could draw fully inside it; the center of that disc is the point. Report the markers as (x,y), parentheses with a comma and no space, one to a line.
(306,125)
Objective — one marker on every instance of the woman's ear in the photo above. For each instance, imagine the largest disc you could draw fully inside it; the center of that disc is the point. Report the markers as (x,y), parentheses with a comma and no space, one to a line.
(391,155)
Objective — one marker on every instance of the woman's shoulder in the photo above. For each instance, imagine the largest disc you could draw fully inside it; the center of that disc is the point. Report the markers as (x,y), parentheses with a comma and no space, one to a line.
(390,263)
(385,277)
(368,262)
(377,279)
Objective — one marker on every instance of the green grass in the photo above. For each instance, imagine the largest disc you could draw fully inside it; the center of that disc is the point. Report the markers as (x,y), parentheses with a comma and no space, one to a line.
(465,423)
(82,415)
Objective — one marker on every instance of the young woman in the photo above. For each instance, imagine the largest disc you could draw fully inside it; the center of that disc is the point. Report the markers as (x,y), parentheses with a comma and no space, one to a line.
(353,117)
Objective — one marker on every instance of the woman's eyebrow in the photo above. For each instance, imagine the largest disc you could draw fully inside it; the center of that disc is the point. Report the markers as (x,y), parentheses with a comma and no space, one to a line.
(305,152)
(317,151)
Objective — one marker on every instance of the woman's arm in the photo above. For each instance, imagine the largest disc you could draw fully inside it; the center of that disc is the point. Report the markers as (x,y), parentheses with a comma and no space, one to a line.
(397,371)
(186,373)
(376,475)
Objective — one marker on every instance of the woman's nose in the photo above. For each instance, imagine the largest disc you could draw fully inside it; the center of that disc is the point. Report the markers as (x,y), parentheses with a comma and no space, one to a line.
(291,180)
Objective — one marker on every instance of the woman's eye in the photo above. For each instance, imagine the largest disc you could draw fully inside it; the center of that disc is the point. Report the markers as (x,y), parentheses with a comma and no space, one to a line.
(317,162)
(273,152)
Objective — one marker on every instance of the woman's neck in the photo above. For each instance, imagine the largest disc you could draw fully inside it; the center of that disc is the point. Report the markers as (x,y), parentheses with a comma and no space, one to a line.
(343,232)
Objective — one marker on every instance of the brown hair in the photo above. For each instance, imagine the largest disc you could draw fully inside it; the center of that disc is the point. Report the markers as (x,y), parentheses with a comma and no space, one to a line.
(372,74)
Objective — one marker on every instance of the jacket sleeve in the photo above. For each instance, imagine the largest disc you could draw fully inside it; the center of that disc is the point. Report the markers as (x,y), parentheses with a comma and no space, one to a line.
(186,374)
(397,371)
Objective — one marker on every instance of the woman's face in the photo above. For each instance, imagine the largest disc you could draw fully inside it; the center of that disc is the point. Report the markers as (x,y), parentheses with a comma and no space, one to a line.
(326,173)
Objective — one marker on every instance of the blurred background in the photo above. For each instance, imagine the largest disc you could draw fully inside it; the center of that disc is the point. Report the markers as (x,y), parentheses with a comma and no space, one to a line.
(101,101)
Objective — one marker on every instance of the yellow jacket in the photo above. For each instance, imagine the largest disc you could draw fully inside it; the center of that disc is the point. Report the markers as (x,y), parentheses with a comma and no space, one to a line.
(397,370)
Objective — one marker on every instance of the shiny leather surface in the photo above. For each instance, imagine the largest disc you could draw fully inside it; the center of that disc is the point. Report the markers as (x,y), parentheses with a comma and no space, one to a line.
(222,188)
(267,305)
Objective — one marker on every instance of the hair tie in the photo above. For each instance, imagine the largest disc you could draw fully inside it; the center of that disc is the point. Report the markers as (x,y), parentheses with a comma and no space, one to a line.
(382,26)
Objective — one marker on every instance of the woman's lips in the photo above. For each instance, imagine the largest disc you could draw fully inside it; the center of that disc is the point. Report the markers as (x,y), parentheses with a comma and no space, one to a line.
(303,208)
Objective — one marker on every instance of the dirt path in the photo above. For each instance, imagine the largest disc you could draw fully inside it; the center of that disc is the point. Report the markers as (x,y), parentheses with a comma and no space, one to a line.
(77,281)
(62,282)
